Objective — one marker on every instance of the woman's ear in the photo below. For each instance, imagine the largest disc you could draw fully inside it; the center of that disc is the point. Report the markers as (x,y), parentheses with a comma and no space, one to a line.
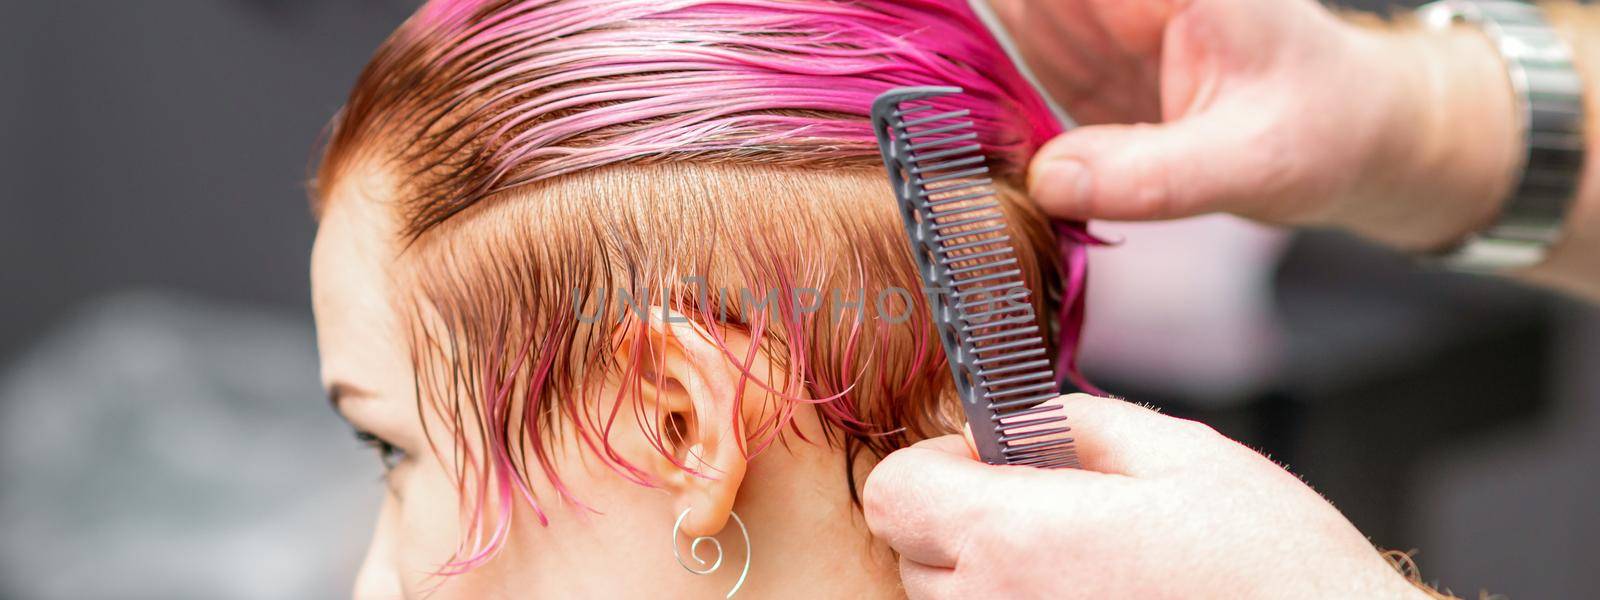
(690,385)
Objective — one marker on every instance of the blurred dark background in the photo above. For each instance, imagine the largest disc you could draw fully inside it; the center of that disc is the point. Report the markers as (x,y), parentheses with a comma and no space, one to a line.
(162,433)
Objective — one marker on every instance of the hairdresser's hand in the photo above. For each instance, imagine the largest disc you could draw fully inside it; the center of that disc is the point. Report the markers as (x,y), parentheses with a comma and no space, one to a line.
(1170,509)
(1271,109)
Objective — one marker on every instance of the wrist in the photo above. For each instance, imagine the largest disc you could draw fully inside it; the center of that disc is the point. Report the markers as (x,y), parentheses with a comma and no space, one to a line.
(1459,159)
(1575,258)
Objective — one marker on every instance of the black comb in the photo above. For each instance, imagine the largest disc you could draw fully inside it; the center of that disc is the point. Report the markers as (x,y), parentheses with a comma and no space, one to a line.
(981,307)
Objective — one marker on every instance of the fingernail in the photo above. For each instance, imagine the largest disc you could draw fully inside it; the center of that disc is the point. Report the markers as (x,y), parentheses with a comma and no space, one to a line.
(1065,186)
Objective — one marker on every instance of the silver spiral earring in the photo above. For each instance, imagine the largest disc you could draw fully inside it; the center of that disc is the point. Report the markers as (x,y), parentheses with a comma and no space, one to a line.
(694,551)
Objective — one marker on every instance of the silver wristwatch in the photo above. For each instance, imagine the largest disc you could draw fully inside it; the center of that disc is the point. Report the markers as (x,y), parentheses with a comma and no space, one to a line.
(1550,100)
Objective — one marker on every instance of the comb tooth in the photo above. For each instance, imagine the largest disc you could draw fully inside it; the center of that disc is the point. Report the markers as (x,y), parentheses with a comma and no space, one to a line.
(976,232)
(972,220)
(989,209)
(916,108)
(1066,460)
(963,174)
(1007,345)
(1028,318)
(1021,319)
(990,277)
(947,251)
(1034,376)
(954,114)
(964,308)
(1032,364)
(950,260)
(1007,333)
(1055,460)
(1047,383)
(988,265)
(957,199)
(989,317)
(984,290)
(1031,422)
(1041,409)
(1029,401)
(962,149)
(1054,453)
(949,164)
(1017,391)
(962,198)
(1028,435)
(973,323)
(1025,448)
(957,187)
(1013,423)
(1008,357)
(965,137)
(1048,451)
(1057,422)
(1041,450)
(961,210)
(994,309)
(962,222)
(933,131)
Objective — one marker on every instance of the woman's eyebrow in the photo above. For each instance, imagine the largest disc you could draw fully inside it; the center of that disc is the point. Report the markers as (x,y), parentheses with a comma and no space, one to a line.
(338,391)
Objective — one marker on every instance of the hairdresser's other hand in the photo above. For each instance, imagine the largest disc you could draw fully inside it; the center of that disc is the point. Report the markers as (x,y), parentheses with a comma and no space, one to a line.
(1270,109)
(1169,509)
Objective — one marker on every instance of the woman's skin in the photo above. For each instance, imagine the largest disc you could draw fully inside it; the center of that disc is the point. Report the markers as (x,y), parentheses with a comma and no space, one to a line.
(1270,109)
(808,540)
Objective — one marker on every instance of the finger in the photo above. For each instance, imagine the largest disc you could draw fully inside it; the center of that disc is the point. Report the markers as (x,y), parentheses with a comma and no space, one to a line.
(1057,43)
(1212,162)
(1095,57)
(925,501)
(1119,437)
(917,499)
(923,581)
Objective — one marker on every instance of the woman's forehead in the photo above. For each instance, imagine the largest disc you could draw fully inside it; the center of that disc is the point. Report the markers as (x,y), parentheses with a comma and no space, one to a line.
(350,282)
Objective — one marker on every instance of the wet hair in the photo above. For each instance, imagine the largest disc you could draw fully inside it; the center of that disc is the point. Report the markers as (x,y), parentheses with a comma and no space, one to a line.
(553,156)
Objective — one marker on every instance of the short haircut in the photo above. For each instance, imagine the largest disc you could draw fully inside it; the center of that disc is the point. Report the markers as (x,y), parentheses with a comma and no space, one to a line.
(551,150)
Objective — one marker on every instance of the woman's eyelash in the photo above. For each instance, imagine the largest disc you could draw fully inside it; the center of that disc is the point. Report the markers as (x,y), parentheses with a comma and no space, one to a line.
(388,453)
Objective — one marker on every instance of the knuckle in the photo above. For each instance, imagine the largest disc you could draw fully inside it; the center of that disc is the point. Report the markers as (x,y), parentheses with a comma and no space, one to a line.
(1080,399)
(1196,429)
(881,489)
(1084,403)
(1152,186)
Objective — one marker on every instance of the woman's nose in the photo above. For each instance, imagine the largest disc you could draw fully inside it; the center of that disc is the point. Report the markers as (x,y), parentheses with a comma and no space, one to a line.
(379,577)
(377,582)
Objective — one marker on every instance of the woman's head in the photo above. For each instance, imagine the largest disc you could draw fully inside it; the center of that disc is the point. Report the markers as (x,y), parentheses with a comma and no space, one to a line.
(585,265)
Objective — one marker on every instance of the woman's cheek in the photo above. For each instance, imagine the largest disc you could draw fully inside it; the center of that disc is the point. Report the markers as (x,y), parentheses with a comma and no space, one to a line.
(419,534)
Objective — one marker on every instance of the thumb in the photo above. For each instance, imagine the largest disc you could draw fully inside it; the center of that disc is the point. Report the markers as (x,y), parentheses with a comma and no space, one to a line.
(1209,162)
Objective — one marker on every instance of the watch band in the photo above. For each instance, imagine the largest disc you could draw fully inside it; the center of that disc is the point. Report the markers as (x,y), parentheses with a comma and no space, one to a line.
(1550,100)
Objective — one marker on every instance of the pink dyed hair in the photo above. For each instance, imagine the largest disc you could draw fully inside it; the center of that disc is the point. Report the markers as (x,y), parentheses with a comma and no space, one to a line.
(471,100)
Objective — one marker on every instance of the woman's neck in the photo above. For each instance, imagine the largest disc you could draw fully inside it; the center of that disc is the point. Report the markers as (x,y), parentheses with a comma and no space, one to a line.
(808,539)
